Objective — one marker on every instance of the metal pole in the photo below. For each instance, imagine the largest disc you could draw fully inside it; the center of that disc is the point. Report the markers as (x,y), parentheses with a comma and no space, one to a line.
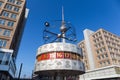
(0,75)
(64,77)
(64,38)
(63,28)
(20,71)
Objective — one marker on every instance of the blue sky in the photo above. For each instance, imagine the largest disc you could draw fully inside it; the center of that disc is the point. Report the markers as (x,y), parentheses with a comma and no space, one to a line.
(91,14)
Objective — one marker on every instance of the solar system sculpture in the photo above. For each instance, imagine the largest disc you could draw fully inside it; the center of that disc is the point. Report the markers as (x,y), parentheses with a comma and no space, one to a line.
(58,58)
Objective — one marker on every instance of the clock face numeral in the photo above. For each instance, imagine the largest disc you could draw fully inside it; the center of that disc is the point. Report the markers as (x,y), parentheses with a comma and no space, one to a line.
(59,63)
(67,64)
(52,55)
(67,55)
(59,55)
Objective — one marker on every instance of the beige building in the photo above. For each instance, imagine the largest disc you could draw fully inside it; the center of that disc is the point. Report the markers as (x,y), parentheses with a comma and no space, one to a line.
(12,20)
(101,50)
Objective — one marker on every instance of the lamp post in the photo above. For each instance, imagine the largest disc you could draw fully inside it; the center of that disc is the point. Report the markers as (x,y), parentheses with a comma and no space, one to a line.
(20,71)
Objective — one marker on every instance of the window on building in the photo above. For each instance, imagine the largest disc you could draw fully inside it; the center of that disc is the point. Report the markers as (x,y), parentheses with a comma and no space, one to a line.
(6,59)
(10,23)
(6,14)
(110,48)
(13,16)
(106,55)
(117,41)
(101,50)
(6,32)
(96,35)
(104,32)
(102,56)
(97,51)
(118,45)
(96,46)
(2,21)
(95,41)
(93,36)
(16,9)
(1,56)
(11,1)
(100,38)
(99,57)
(118,62)
(104,49)
(111,54)
(115,49)
(0,31)
(99,45)
(108,62)
(3,43)
(102,43)
(8,6)
(99,33)
(0,4)
(108,42)
(101,63)
(104,63)
(18,2)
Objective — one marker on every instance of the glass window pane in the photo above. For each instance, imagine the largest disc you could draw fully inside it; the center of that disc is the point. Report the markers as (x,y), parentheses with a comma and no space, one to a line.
(13,16)
(5,59)
(12,1)
(6,14)
(0,4)
(0,30)
(9,7)
(16,9)
(1,55)
(3,43)
(2,21)
(10,23)
(18,2)
(6,32)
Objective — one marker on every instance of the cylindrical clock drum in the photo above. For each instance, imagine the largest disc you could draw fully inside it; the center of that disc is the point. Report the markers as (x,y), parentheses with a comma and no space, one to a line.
(59,60)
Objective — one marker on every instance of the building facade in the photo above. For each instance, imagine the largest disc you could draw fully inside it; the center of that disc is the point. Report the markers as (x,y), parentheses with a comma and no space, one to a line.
(13,14)
(101,50)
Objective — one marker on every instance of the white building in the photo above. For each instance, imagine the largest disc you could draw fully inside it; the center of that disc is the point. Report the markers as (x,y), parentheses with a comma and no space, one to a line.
(101,50)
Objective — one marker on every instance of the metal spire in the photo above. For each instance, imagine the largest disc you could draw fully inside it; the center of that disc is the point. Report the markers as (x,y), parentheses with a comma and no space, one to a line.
(62,14)
(63,27)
